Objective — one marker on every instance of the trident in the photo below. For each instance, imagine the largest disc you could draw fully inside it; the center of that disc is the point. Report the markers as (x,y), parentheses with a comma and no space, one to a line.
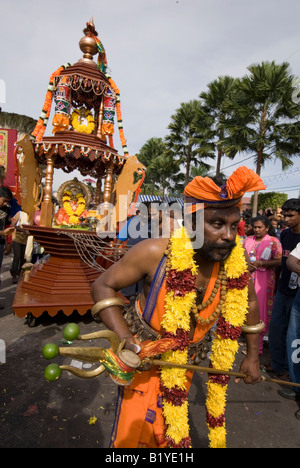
(120,363)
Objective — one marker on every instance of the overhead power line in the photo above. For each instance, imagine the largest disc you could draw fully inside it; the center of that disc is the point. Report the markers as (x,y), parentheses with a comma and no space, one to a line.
(281,176)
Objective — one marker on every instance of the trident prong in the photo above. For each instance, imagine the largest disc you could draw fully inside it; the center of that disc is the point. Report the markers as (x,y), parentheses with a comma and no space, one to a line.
(89,354)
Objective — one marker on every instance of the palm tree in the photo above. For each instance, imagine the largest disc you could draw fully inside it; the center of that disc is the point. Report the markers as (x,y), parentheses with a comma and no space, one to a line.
(21,123)
(264,120)
(186,136)
(161,170)
(204,170)
(214,102)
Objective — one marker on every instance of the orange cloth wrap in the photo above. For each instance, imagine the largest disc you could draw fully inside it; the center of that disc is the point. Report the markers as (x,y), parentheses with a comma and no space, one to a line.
(204,190)
(132,430)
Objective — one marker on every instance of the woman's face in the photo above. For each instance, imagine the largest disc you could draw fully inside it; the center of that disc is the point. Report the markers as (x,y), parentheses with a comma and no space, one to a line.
(248,229)
(260,230)
(274,223)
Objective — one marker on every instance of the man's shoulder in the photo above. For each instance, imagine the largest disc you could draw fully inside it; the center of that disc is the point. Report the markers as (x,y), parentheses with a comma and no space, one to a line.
(153,246)
(287,234)
(146,255)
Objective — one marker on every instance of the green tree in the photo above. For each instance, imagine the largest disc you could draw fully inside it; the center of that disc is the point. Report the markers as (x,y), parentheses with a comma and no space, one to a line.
(186,137)
(21,123)
(202,171)
(271,200)
(161,170)
(215,105)
(264,120)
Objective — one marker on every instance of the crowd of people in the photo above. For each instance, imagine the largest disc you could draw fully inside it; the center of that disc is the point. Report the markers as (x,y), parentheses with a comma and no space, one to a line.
(273,246)
(13,233)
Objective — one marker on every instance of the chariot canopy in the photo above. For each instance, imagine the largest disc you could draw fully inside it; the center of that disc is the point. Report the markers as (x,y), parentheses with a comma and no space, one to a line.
(85,104)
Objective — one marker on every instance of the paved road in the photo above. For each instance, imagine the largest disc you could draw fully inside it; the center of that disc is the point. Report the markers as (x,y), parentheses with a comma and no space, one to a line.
(37,414)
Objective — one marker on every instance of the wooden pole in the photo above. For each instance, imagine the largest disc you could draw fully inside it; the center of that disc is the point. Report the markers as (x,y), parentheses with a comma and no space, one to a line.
(209,370)
(47,205)
(98,192)
(100,119)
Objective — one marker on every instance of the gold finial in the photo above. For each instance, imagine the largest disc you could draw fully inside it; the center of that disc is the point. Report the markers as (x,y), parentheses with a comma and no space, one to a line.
(91,24)
(88,44)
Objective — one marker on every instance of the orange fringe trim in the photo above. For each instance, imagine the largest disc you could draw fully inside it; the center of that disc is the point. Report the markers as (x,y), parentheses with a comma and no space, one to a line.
(41,125)
(119,116)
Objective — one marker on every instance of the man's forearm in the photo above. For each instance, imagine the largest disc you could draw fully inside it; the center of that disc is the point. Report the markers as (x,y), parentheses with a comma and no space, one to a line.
(111,316)
(293,264)
(252,345)
(253,318)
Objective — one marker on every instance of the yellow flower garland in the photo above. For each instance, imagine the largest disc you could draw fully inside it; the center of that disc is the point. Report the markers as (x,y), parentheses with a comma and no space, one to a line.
(82,127)
(223,354)
(73,215)
(177,317)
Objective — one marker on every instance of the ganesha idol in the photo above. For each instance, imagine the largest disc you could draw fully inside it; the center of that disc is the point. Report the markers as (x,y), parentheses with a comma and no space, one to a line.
(72,210)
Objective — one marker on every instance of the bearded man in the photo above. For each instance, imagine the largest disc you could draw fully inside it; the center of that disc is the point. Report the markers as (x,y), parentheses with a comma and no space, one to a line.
(185,292)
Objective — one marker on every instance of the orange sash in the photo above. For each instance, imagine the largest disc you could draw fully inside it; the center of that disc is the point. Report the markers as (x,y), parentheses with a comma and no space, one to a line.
(139,420)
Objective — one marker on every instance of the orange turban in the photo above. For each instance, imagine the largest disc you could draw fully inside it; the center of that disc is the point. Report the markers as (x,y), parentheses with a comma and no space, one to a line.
(204,190)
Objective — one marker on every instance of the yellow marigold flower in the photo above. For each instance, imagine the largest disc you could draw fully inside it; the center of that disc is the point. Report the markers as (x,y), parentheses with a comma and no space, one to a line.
(236,264)
(235,308)
(92,420)
(73,219)
(172,377)
(216,399)
(177,312)
(180,357)
(176,418)
(217,437)
(223,353)
(182,253)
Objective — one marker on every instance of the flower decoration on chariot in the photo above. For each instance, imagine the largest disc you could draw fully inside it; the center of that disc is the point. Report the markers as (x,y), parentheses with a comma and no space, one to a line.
(82,120)
(72,209)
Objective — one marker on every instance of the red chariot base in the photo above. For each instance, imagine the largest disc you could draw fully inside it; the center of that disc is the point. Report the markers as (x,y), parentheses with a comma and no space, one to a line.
(62,283)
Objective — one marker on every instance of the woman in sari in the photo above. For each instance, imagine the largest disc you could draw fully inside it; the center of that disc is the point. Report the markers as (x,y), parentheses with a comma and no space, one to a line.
(265,254)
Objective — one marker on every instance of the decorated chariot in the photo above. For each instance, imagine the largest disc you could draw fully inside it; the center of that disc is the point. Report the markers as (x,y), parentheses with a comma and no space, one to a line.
(85,100)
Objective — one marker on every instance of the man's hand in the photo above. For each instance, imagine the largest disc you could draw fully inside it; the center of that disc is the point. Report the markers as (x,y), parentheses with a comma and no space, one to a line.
(253,266)
(251,368)
(131,343)
(8,248)
(8,231)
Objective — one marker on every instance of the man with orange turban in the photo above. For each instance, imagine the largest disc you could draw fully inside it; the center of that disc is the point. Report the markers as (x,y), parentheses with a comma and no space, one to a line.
(205,190)
(185,292)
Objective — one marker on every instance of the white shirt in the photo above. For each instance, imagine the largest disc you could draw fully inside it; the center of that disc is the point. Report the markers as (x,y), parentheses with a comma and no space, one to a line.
(296,253)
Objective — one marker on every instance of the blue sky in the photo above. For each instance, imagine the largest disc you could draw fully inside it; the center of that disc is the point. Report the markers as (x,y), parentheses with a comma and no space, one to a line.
(161,53)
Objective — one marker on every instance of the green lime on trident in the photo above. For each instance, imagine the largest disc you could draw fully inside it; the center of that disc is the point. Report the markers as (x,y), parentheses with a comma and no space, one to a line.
(50,351)
(71,332)
(52,372)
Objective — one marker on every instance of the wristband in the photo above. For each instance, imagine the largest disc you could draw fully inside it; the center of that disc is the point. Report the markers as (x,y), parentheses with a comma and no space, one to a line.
(253,329)
(110,302)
